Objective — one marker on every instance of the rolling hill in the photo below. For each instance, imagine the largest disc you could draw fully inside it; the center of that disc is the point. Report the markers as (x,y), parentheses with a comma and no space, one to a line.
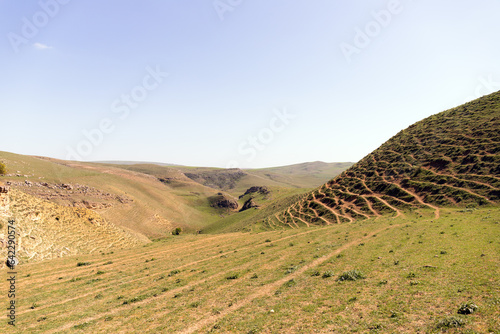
(56,203)
(448,159)
(237,181)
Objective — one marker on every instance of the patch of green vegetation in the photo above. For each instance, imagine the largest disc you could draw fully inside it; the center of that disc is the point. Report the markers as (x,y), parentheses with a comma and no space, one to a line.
(450,322)
(233,276)
(83,325)
(82,264)
(136,299)
(328,274)
(174,272)
(351,275)
(467,308)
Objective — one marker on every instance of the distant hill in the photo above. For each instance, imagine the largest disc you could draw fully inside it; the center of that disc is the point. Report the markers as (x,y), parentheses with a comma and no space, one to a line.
(448,159)
(237,181)
(116,162)
(304,175)
(132,203)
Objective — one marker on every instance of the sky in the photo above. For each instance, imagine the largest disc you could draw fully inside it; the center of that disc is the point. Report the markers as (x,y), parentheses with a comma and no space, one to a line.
(235,83)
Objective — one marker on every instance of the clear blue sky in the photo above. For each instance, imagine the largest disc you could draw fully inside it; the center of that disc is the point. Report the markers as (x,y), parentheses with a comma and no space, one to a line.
(351,78)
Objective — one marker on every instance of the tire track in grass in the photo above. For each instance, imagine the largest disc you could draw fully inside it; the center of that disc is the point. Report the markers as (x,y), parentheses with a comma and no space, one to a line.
(268,289)
(95,291)
(123,257)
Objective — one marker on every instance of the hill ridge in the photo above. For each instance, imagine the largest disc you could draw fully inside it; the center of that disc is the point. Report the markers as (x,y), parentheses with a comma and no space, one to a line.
(447,159)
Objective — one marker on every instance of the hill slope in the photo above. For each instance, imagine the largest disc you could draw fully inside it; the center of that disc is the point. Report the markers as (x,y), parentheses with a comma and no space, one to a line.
(416,273)
(128,199)
(448,159)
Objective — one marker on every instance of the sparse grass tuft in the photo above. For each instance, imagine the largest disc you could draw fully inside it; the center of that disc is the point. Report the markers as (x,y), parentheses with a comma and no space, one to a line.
(450,322)
(173,273)
(352,275)
(328,274)
(233,276)
(467,308)
(82,264)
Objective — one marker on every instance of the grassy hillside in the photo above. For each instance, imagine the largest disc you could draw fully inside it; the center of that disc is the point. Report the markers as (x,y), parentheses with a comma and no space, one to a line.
(279,199)
(152,200)
(449,159)
(128,199)
(237,181)
(411,275)
(306,175)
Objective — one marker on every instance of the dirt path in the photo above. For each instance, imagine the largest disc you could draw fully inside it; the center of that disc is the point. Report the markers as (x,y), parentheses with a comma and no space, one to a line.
(337,215)
(268,289)
(96,291)
(417,197)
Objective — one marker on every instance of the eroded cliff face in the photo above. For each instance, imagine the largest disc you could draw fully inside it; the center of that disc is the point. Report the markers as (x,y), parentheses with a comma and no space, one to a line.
(45,230)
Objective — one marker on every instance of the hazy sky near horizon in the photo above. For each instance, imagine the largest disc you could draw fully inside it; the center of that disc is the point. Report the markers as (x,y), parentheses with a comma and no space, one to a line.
(229,83)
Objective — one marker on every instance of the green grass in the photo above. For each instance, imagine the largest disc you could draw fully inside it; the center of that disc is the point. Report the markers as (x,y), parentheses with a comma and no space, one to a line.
(283,279)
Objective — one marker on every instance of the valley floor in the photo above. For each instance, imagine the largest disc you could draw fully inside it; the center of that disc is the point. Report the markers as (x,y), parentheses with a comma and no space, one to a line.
(418,271)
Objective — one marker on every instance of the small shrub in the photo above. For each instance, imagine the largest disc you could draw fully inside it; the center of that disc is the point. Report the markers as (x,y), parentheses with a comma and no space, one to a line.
(94,280)
(159,278)
(177,231)
(467,308)
(82,264)
(173,273)
(3,169)
(450,322)
(352,275)
(195,304)
(411,275)
(135,299)
(327,274)
(315,273)
(290,283)
(233,276)
(82,326)
(254,276)
(33,306)
(268,240)
(99,272)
